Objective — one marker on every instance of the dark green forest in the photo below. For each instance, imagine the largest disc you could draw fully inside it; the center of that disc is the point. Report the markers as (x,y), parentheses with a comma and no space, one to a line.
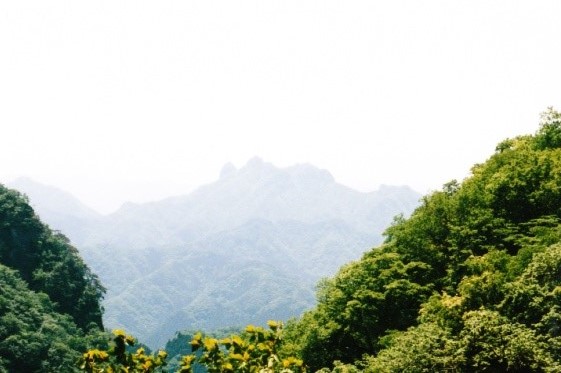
(470,282)
(50,309)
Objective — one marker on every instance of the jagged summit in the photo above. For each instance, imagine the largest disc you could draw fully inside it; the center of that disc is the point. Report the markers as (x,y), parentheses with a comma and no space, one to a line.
(256,162)
(227,170)
(260,170)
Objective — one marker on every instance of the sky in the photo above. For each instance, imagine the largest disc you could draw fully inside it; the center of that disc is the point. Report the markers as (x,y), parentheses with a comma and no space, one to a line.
(118,101)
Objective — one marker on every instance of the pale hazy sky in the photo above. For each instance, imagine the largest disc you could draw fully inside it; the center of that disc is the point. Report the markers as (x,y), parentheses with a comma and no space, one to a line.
(137,100)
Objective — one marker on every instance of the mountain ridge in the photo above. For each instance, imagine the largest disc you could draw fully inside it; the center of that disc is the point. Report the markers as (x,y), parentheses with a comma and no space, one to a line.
(285,227)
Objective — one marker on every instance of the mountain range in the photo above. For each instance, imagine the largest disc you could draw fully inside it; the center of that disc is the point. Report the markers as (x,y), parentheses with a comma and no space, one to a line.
(246,248)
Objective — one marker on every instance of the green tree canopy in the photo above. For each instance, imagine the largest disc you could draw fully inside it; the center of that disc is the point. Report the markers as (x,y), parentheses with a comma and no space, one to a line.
(48,262)
(33,336)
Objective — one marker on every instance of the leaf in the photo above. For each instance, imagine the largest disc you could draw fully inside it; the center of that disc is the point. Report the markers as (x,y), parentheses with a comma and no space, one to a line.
(119,333)
(162,354)
(236,357)
(210,344)
(196,342)
(273,325)
(250,329)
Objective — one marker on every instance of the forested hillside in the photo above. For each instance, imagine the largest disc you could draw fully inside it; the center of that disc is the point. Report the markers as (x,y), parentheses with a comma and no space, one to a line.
(470,282)
(50,310)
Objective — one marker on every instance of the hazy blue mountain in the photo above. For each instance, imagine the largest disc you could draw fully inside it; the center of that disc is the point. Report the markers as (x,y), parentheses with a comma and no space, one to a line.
(258,190)
(249,247)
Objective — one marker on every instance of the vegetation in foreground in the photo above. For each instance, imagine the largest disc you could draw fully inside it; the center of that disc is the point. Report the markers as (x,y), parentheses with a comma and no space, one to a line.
(254,350)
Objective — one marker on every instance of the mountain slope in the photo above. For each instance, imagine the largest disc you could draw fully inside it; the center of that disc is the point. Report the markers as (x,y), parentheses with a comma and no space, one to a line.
(169,265)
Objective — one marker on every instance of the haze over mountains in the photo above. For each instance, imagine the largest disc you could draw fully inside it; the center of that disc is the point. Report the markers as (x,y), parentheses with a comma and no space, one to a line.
(249,247)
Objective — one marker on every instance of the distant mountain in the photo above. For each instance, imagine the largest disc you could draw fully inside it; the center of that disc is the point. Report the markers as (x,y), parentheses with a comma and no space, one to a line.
(249,247)
(257,191)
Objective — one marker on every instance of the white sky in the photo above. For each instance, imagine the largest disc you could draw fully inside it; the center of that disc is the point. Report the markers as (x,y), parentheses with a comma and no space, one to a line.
(137,100)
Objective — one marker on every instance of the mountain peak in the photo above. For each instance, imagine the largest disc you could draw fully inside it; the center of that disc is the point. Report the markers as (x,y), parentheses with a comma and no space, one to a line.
(257,168)
(227,170)
(255,162)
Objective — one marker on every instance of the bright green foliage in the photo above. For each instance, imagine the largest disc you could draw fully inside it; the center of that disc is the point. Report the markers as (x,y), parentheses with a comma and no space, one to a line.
(355,308)
(535,297)
(549,135)
(457,334)
(470,282)
(119,359)
(426,348)
(488,342)
(339,367)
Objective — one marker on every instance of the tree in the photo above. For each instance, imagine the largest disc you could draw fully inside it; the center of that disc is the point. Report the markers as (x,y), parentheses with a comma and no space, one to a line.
(119,358)
(358,305)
